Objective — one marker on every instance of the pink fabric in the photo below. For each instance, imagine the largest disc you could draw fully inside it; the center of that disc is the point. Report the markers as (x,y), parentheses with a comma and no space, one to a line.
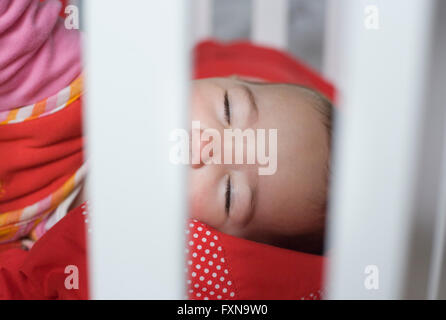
(38,55)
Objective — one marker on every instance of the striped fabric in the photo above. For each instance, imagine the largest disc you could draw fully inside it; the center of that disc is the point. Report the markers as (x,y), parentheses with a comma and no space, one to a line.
(21,223)
(45,107)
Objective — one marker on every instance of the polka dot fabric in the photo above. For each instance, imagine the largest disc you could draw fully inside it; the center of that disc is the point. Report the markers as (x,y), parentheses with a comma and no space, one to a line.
(209,275)
(313,296)
(223,267)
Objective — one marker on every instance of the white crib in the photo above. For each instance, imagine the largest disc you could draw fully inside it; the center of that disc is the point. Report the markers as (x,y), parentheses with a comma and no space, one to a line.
(388,205)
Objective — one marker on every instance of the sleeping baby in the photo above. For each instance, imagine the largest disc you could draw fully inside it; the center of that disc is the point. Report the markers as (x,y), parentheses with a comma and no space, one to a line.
(286,208)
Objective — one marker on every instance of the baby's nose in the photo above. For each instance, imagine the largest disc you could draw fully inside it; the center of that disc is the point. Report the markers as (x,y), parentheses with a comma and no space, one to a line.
(196,147)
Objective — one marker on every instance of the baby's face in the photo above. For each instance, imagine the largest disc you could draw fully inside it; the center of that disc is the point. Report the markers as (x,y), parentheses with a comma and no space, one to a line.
(285,209)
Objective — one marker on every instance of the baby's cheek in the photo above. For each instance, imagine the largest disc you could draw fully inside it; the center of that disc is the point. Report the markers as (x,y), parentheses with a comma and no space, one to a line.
(198,208)
(195,209)
(202,208)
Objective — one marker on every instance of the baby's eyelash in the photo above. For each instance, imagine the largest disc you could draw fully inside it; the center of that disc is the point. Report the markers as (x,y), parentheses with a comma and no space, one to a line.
(228,195)
(227,109)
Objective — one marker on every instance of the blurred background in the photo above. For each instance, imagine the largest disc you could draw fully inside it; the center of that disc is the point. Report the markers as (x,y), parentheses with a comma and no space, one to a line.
(231,21)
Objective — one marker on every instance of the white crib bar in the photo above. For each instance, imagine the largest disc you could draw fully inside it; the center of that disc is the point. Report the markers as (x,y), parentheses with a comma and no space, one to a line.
(201,19)
(269,24)
(137,70)
(381,77)
(437,280)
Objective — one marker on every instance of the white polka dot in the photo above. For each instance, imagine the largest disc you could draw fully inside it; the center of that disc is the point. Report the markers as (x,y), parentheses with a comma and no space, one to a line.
(215,238)
(226,271)
(190,291)
(198,266)
(225,290)
(208,233)
(201,278)
(194,274)
(198,294)
(206,298)
(191,225)
(214,256)
(200,229)
(189,262)
(218,267)
(217,286)
(203,239)
(222,279)
(232,294)
(222,259)
(219,248)
(211,293)
(212,244)
(199,247)
(191,243)
(196,285)
(219,297)
(204,289)
(214,275)
(206,270)
(229,283)
(209,282)
(210,263)
(202,259)
(194,254)
(206,251)
(195,235)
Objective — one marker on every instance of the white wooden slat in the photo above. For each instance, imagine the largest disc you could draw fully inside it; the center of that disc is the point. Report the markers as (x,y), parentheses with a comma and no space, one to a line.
(269,24)
(437,125)
(201,19)
(424,253)
(381,77)
(136,74)
(437,281)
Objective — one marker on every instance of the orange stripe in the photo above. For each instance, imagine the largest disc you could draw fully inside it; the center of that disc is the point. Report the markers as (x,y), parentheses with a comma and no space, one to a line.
(75,90)
(9,233)
(60,194)
(69,186)
(38,109)
(11,116)
(10,218)
(14,216)
(76,87)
